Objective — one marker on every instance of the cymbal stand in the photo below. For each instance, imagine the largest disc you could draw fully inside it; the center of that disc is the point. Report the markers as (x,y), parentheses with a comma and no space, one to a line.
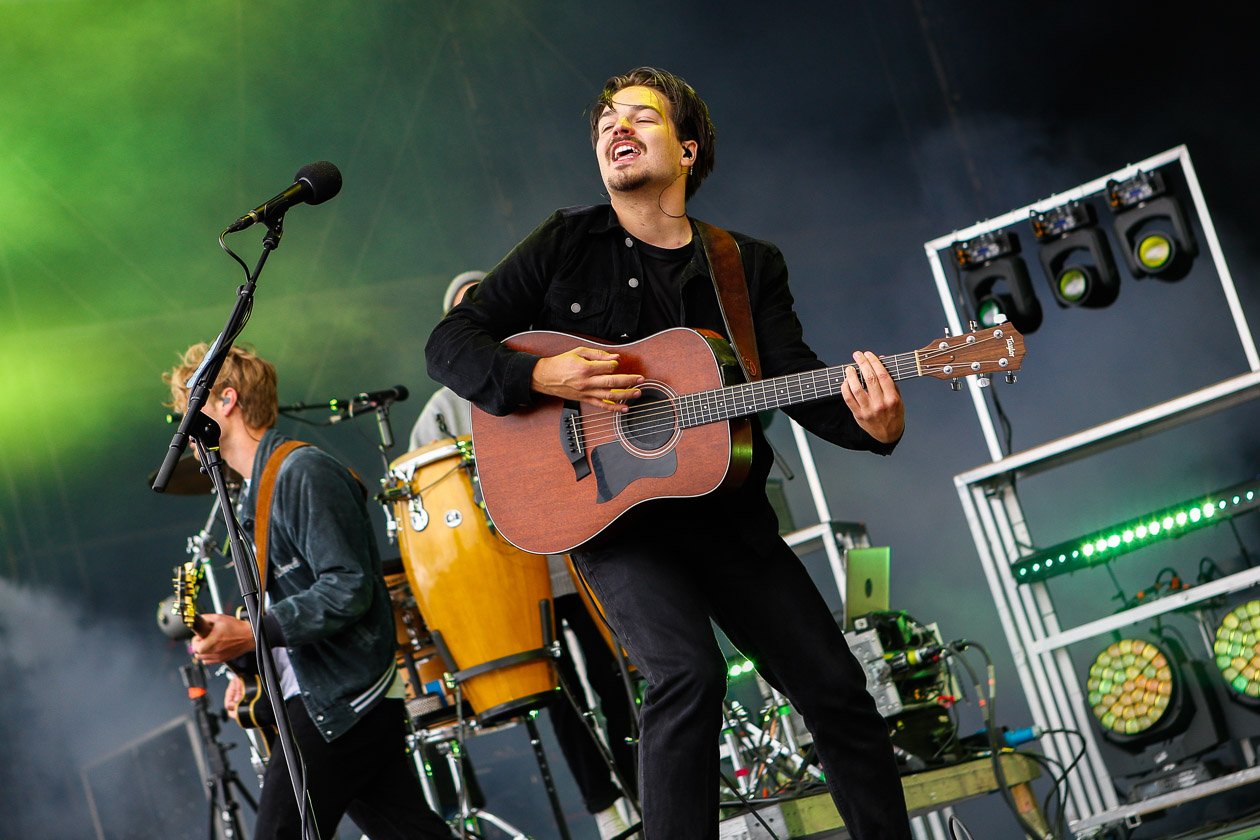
(220,777)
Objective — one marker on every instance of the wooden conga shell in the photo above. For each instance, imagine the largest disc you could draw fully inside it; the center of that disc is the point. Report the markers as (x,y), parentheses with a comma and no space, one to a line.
(476,590)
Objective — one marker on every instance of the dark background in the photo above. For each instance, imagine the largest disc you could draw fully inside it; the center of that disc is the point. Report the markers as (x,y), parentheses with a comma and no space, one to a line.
(849,133)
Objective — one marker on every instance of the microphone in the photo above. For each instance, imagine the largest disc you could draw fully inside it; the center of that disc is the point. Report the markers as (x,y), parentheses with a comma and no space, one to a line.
(370,399)
(314,183)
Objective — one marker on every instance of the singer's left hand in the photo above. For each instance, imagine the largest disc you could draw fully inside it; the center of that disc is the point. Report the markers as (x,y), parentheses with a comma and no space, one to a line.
(874,398)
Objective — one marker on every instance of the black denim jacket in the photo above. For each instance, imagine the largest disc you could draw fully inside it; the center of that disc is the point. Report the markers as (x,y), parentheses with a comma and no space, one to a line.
(578,273)
(328,596)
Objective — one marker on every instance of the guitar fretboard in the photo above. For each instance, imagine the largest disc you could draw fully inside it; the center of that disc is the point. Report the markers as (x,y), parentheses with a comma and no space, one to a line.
(752,397)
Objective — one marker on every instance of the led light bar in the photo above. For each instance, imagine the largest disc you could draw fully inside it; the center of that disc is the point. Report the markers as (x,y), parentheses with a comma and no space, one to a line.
(1109,543)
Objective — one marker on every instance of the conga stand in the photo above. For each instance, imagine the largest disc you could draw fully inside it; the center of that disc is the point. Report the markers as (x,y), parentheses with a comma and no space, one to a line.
(456,678)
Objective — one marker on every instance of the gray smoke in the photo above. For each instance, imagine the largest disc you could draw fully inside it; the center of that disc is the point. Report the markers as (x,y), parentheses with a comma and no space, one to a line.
(75,690)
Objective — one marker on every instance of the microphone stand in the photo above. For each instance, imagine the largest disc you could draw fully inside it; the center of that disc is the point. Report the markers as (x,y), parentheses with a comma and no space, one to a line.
(204,433)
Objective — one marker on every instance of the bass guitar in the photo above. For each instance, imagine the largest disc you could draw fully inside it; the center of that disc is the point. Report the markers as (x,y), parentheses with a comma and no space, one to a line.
(557,473)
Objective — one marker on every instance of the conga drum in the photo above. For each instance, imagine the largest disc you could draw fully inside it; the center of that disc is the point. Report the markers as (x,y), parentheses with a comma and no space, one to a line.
(478,593)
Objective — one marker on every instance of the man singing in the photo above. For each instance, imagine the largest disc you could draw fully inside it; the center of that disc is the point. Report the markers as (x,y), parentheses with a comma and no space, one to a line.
(621,272)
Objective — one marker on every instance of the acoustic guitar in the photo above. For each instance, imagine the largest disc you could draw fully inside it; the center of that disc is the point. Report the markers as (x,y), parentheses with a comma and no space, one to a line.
(254,711)
(557,473)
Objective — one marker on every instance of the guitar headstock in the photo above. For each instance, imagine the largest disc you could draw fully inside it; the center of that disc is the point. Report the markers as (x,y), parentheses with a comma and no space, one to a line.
(996,349)
(187,580)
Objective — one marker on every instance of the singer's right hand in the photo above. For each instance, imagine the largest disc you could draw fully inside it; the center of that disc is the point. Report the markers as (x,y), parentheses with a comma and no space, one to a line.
(233,696)
(588,375)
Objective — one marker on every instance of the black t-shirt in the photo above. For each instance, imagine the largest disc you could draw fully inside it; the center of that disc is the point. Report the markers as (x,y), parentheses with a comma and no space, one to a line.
(662,279)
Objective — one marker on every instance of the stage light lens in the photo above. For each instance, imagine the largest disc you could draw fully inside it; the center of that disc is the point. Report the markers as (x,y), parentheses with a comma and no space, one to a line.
(1237,650)
(989,312)
(1130,686)
(1155,251)
(1073,284)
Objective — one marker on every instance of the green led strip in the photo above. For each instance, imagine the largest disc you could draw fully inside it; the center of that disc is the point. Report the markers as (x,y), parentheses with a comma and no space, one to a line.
(1109,543)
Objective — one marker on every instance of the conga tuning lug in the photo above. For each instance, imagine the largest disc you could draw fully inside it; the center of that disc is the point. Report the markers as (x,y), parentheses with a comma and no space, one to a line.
(419,516)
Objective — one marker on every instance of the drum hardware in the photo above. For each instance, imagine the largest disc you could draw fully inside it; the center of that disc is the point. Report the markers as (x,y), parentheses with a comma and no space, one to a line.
(755,753)
(468,807)
(455,678)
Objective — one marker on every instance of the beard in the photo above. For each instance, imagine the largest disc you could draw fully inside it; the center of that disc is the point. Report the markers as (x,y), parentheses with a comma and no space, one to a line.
(626,182)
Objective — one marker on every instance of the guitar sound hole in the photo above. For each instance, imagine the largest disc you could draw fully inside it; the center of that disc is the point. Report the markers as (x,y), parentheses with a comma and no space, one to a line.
(650,423)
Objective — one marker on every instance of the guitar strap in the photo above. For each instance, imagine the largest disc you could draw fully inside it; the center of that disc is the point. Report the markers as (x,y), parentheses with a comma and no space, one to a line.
(727,270)
(262,516)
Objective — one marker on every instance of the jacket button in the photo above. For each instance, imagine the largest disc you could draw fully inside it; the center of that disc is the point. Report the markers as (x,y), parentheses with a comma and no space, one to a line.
(575,308)
(319,718)
(629,242)
(634,282)
(328,732)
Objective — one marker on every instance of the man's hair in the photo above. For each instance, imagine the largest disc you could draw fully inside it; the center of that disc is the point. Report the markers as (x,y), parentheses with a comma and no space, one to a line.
(253,377)
(686,109)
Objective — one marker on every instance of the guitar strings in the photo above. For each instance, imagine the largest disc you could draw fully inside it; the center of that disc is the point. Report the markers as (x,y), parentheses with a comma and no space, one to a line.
(902,366)
(662,415)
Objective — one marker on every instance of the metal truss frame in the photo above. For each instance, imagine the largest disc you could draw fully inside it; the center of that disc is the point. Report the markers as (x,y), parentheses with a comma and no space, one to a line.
(998,527)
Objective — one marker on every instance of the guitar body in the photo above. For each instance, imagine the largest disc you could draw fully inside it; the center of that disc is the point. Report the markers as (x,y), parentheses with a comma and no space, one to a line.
(556,474)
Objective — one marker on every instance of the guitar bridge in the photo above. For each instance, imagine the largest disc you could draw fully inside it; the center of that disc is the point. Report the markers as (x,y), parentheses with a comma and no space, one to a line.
(571,440)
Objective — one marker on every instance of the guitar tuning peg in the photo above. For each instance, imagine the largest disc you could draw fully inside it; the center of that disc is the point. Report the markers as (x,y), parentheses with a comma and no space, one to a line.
(947,332)
(1010,377)
(982,381)
(955,385)
(971,326)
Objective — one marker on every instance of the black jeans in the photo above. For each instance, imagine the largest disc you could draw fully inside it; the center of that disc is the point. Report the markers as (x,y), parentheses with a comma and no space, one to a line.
(590,772)
(660,579)
(365,773)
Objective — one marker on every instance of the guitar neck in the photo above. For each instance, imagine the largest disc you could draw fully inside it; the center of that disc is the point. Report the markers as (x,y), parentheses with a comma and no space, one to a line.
(200,626)
(763,395)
